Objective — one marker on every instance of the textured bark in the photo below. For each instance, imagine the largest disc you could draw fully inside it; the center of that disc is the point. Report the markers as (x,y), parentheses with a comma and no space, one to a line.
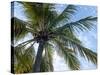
(36,67)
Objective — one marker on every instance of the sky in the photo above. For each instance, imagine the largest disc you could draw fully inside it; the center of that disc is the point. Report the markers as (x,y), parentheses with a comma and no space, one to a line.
(89,40)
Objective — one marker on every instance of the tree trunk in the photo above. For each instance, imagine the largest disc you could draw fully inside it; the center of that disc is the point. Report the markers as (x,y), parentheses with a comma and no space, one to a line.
(36,67)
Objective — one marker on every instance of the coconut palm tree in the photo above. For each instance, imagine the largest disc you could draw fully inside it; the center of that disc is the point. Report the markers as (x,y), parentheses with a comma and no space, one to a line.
(53,32)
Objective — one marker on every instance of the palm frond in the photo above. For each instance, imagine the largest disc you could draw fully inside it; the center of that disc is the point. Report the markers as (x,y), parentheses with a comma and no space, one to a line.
(20,29)
(69,56)
(72,61)
(34,14)
(66,33)
(24,58)
(78,47)
(88,54)
(39,18)
(31,10)
(80,25)
(50,14)
(64,16)
(25,43)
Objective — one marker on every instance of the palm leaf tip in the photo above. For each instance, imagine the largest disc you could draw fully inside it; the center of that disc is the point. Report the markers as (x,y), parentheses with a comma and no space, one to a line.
(73,62)
(90,55)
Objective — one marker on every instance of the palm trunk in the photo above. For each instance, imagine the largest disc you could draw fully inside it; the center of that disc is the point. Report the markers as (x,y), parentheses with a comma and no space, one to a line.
(38,59)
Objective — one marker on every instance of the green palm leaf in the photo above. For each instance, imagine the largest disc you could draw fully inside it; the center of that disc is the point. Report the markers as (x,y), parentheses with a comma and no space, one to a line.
(20,29)
(77,47)
(80,25)
(24,58)
(69,56)
(64,16)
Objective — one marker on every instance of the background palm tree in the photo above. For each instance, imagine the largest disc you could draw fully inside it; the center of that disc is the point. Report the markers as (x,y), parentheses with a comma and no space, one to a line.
(49,29)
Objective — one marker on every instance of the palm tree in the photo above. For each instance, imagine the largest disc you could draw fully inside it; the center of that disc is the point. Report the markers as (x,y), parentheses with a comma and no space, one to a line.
(52,31)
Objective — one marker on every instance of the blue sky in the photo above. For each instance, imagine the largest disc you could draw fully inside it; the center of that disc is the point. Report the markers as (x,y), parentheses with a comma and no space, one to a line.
(89,40)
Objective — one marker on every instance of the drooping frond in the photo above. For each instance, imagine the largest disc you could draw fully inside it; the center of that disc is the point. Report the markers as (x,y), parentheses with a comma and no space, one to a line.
(20,30)
(24,58)
(77,47)
(69,56)
(65,34)
(72,61)
(88,54)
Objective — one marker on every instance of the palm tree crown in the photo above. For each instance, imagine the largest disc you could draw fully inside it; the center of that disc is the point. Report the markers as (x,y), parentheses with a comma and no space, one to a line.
(49,29)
